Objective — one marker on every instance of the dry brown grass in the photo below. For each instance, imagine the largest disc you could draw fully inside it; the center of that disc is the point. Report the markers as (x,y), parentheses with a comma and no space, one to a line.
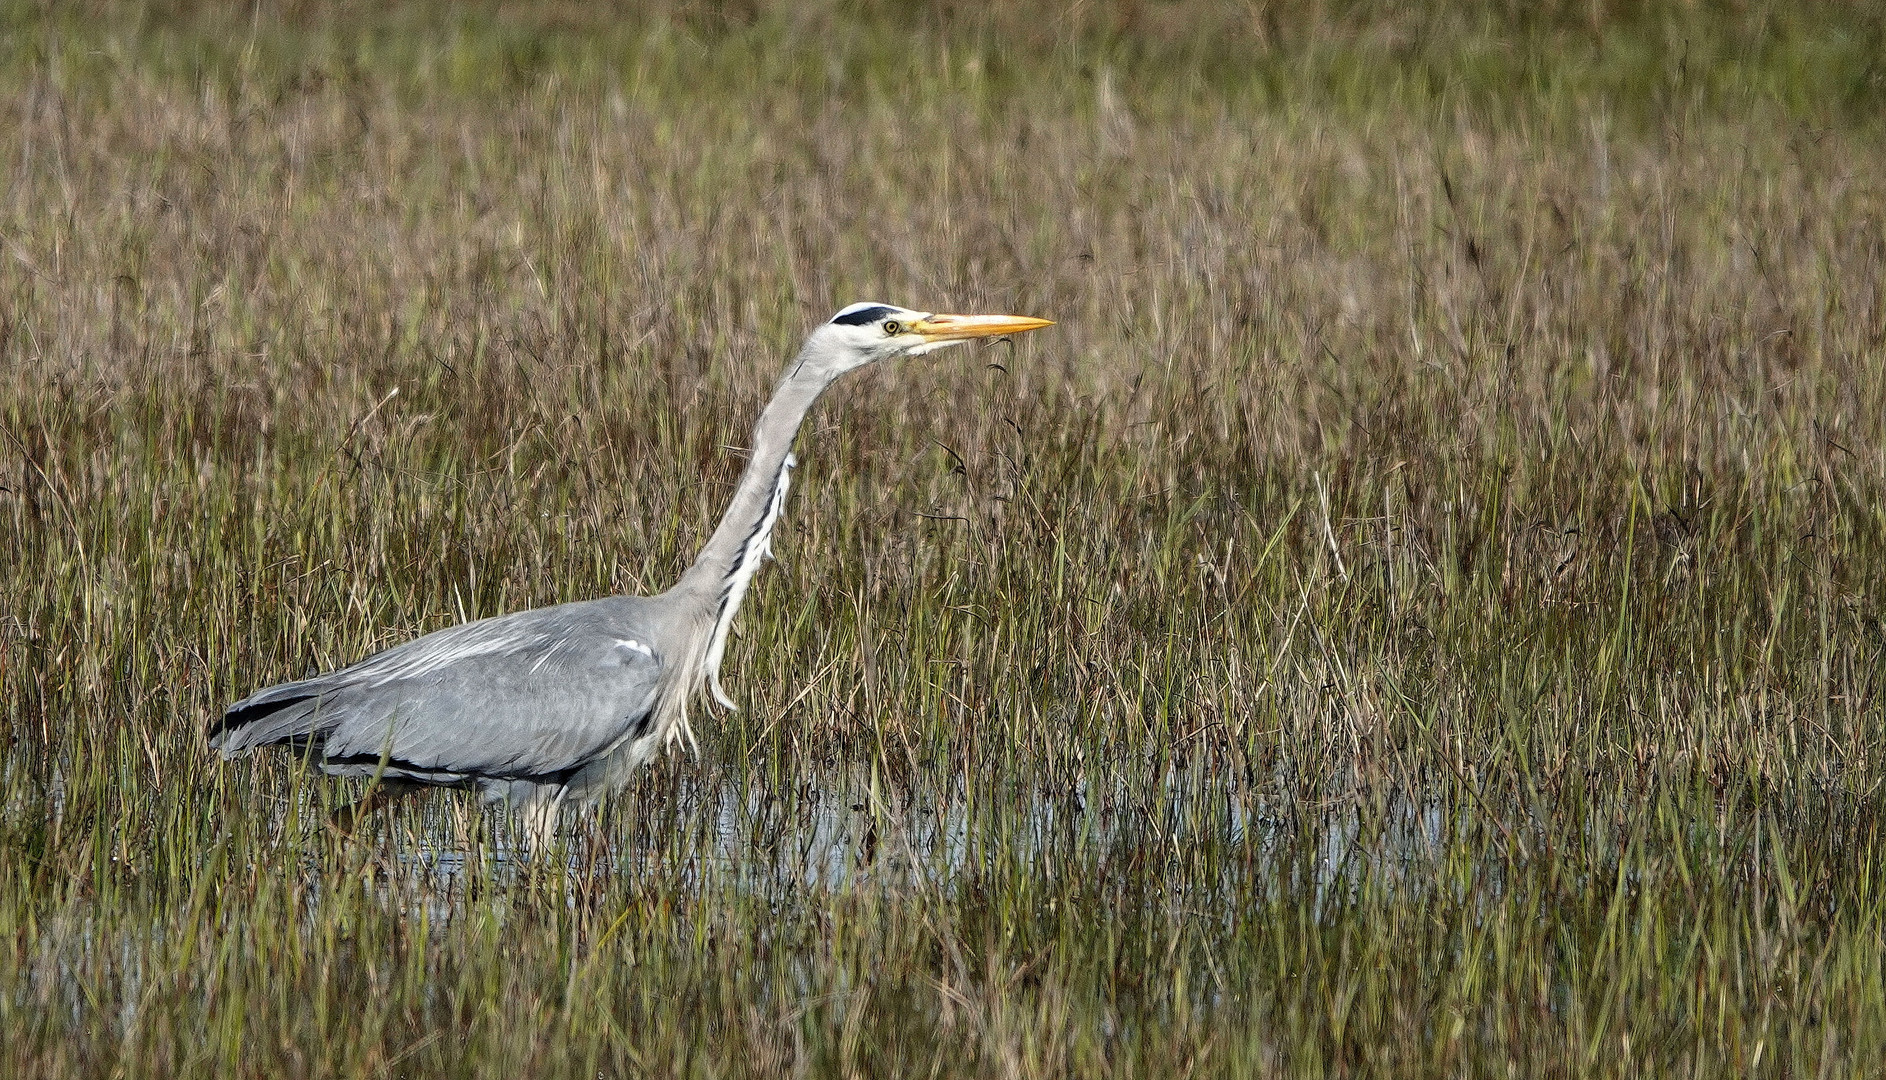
(1417,613)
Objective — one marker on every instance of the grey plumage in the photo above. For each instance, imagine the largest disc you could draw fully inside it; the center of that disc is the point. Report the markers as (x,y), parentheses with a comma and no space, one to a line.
(534,695)
(563,703)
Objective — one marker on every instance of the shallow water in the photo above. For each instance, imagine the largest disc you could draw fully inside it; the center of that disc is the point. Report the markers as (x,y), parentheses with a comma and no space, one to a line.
(837,835)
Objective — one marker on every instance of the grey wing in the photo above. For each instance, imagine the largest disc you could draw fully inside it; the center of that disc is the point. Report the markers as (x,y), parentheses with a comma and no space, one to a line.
(536,694)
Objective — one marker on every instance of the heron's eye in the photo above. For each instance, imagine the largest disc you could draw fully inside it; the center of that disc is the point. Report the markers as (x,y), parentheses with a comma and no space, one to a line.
(893,327)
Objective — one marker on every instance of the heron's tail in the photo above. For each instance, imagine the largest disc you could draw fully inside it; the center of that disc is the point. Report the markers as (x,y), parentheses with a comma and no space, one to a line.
(286,714)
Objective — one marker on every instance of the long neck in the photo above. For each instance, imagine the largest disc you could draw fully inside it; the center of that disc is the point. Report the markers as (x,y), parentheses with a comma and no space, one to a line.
(733,552)
(720,575)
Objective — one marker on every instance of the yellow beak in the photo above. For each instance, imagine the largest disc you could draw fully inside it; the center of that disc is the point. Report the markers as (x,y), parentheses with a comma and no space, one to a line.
(941,328)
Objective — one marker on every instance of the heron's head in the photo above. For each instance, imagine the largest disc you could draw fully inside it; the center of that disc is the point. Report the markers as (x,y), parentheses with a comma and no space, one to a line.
(866,333)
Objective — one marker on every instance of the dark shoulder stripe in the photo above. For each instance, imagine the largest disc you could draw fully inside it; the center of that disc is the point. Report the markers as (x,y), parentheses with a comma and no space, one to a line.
(406,770)
(863,316)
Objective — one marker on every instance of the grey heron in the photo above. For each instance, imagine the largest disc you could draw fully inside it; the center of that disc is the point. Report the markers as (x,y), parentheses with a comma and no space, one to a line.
(560,705)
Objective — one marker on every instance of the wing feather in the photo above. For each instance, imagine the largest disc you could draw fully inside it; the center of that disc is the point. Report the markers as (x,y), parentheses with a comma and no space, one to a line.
(533,694)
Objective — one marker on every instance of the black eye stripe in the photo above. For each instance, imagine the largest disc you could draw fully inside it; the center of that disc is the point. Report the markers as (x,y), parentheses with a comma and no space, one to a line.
(863,316)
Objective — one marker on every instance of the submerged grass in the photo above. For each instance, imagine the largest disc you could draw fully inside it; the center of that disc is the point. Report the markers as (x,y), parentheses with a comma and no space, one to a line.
(1418,613)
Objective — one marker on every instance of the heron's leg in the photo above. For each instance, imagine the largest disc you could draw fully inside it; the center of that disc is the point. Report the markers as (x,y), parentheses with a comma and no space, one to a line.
(541,813)
(382,795)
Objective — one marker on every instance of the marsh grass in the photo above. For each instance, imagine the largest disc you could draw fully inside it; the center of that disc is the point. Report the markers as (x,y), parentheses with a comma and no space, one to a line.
(1418,613)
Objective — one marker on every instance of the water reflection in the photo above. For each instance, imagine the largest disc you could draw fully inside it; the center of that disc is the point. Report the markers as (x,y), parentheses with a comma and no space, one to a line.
(845,832)
(1190,842)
